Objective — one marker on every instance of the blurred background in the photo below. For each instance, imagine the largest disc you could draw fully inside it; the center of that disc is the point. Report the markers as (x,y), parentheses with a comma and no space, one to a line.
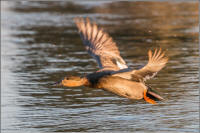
(40,45)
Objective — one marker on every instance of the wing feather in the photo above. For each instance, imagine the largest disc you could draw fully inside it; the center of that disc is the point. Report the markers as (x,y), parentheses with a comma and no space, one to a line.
(156,62)
(100,45)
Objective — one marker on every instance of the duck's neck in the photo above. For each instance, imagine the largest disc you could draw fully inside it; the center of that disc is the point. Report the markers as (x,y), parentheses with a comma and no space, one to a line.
(83,82)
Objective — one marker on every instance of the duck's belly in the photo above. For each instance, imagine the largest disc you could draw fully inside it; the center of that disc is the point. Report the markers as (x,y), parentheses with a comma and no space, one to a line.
(122,87)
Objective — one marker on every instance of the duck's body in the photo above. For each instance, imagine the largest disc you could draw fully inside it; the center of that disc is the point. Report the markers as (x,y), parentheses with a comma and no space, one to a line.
(111,81)
(114,75)
(122,87)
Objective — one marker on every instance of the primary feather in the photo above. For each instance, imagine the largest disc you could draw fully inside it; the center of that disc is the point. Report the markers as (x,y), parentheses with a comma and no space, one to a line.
(156,62)
(100,46)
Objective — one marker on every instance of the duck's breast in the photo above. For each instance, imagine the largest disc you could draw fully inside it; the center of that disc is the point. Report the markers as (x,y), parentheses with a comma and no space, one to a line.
(122,87)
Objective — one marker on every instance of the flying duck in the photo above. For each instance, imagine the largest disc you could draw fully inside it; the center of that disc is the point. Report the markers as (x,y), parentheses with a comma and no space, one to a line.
(114,75)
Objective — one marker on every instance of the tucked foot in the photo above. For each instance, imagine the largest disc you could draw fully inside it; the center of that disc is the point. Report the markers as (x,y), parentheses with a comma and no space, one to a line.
(147,99)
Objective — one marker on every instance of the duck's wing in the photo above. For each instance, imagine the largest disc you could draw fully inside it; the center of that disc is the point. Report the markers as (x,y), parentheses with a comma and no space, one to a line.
(100,45)
(156,62)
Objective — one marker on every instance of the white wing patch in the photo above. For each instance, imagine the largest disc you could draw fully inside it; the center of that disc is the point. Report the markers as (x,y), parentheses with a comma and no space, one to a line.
(120,65)
(147,77)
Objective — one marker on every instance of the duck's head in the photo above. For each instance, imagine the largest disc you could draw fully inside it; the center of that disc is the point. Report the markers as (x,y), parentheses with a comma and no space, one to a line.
(72,81)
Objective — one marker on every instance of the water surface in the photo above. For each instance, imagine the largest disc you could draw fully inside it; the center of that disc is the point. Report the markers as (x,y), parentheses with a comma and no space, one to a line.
(40,45)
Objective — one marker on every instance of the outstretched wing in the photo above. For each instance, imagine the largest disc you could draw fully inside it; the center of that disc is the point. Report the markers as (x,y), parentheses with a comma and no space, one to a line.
(100,45)
(156,62)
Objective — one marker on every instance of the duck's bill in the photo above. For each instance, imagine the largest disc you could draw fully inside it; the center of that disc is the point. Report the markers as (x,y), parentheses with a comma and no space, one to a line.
(59,83)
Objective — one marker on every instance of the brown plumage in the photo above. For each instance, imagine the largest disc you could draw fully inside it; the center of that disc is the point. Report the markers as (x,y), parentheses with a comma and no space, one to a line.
(100,45)
(114,75)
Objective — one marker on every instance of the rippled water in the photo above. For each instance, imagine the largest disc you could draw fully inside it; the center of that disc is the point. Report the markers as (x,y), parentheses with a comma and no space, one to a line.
(40,45)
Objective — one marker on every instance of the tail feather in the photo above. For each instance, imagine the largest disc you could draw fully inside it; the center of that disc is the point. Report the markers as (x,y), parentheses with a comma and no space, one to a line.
(151,93)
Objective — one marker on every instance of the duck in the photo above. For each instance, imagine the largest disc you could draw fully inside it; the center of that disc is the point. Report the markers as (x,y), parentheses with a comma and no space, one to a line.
(113,74)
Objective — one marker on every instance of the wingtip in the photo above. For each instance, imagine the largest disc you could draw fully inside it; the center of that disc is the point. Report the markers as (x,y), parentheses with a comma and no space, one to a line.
(76,19)
(155,52)
(79,20)
(87,19)
(150,54)
(158,56)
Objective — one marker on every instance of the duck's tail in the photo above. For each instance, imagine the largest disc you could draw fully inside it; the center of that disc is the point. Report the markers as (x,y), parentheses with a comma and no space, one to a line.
(151,96)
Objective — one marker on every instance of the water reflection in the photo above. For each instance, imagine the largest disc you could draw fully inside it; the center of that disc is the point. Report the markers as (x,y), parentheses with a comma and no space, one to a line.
(40,45)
